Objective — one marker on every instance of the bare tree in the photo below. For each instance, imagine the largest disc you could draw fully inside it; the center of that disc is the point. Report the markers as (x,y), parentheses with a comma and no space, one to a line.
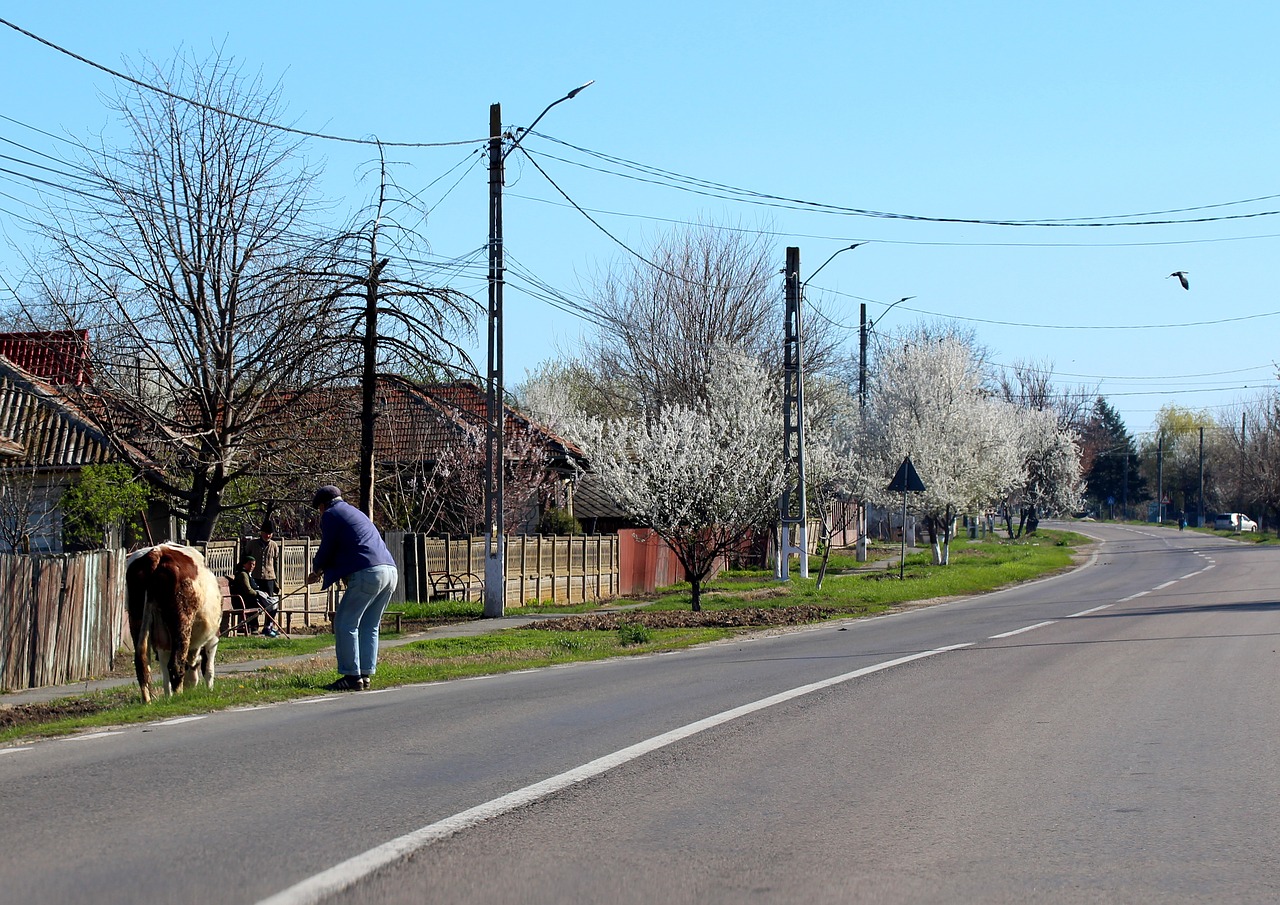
(1029,385)
(440,489)
(400,323)
(701,287)
(211,301)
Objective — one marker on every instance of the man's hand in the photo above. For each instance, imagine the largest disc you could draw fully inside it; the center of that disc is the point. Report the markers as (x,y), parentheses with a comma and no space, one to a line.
(314,577)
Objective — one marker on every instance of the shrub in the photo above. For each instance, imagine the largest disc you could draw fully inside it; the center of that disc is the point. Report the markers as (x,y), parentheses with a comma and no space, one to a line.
(633,633)
(558,521)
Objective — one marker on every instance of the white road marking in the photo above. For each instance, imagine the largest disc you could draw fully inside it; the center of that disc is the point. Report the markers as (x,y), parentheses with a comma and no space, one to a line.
(1133,597)
(345,875)
(180,719)
(1092,610)
(85,738)
(1019,631)
(4,751)
(1161,587)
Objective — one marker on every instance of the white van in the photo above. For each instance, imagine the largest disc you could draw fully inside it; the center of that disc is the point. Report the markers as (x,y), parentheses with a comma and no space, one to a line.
(1234,521)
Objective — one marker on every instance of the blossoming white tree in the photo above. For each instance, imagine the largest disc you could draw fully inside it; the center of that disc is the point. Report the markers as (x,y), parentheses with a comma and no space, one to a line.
(927,400)
(703,476)
(1050,468)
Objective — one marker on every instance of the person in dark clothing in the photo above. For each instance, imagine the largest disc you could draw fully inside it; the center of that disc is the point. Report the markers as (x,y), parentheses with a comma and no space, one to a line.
(351,550)
(267,552)
(252,597)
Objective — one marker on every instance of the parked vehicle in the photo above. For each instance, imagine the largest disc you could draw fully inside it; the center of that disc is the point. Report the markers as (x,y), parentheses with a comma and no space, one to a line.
(1234,521)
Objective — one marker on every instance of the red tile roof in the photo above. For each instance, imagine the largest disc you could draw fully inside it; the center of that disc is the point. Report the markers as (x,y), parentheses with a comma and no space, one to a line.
(58,356)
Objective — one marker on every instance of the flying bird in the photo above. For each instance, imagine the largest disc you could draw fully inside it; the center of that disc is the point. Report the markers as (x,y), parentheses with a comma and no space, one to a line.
(1182,278)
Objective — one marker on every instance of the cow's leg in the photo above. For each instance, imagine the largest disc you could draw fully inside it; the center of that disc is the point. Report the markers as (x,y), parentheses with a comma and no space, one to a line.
(142,666)
(197,667)
(173,673)
(210,653)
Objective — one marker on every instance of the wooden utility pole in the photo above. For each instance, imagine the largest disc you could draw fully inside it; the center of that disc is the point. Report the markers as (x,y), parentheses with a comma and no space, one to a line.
(369,379)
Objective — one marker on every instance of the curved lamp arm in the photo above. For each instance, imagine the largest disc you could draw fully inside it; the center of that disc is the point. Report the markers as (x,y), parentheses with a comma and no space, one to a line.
(829,260)
(525,131)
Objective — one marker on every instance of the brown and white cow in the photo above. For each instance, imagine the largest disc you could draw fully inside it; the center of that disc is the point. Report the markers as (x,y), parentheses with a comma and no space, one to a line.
(175,607)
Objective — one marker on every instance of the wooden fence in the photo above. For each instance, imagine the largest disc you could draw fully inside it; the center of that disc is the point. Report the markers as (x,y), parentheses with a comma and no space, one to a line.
(62,617)
(539,567)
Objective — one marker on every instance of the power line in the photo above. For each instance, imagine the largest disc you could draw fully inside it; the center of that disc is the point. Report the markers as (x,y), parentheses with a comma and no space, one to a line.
(223,112)
(728,192)
(911,242)
(1030,326)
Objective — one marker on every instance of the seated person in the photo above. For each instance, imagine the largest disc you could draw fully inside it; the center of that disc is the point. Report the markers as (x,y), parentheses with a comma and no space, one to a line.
(251,596)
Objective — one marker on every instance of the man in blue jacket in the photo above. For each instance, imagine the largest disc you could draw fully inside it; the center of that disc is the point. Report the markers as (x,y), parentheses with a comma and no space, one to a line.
(351,550)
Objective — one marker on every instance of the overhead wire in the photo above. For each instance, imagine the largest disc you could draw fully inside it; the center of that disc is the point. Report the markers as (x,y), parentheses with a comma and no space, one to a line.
(728,192)
(778,234)
(230,113)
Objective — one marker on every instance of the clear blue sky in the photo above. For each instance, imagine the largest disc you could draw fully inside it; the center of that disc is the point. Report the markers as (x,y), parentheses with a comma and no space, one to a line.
(960,111)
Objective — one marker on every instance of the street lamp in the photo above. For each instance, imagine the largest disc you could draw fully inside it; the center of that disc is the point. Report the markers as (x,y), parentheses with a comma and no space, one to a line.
(838,251)
(793,420)
(495,577)
(864,328)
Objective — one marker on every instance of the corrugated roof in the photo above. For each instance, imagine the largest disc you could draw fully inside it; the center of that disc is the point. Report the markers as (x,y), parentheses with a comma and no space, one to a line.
(47,428)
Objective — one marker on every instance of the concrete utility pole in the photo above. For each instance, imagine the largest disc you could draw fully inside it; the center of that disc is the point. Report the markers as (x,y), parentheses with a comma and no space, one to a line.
(793,494)
(860,551)
(1160,481)
(495,579)
(495,570)
(1200,502)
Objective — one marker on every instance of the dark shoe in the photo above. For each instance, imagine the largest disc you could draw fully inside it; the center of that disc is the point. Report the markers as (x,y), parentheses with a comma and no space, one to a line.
(346,683)
(364,682)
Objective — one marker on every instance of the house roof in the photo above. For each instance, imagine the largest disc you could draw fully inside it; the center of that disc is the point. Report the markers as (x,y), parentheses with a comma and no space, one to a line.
(42,428)
(57,356)
(464,402)
(591,501)
(417,422)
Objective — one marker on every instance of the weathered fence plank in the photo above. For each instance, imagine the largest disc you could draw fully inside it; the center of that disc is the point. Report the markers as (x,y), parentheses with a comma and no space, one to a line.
(62,618)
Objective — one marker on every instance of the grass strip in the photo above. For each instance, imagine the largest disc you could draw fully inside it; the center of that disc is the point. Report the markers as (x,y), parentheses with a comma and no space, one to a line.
(851,589)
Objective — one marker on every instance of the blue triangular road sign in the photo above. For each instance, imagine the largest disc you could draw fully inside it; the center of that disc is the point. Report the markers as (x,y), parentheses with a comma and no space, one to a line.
(906,478)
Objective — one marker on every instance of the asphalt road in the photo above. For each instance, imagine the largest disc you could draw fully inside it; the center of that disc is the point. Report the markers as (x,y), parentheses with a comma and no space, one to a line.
(1104,736)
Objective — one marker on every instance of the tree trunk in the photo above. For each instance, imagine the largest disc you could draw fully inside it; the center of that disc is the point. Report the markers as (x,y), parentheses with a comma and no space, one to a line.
(695,588)
(826,551)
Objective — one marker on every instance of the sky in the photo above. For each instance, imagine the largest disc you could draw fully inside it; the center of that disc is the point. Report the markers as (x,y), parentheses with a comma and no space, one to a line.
(1142,131)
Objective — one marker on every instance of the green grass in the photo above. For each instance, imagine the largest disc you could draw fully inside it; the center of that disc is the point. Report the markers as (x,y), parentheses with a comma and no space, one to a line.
(851,589)
(443,610)
(431,660)
(975,567)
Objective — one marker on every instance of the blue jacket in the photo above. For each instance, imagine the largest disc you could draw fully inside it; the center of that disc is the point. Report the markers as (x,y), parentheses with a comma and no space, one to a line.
(349,542)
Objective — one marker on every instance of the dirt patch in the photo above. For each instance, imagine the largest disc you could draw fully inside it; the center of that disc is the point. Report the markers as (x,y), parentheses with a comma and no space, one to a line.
(736,618)
(28,714)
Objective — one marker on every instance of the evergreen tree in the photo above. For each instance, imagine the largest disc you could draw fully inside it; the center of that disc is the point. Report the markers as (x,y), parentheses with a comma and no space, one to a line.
(1111,458)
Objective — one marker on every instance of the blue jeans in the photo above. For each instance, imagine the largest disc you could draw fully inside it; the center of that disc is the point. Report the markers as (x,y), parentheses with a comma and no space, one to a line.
(358,617)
